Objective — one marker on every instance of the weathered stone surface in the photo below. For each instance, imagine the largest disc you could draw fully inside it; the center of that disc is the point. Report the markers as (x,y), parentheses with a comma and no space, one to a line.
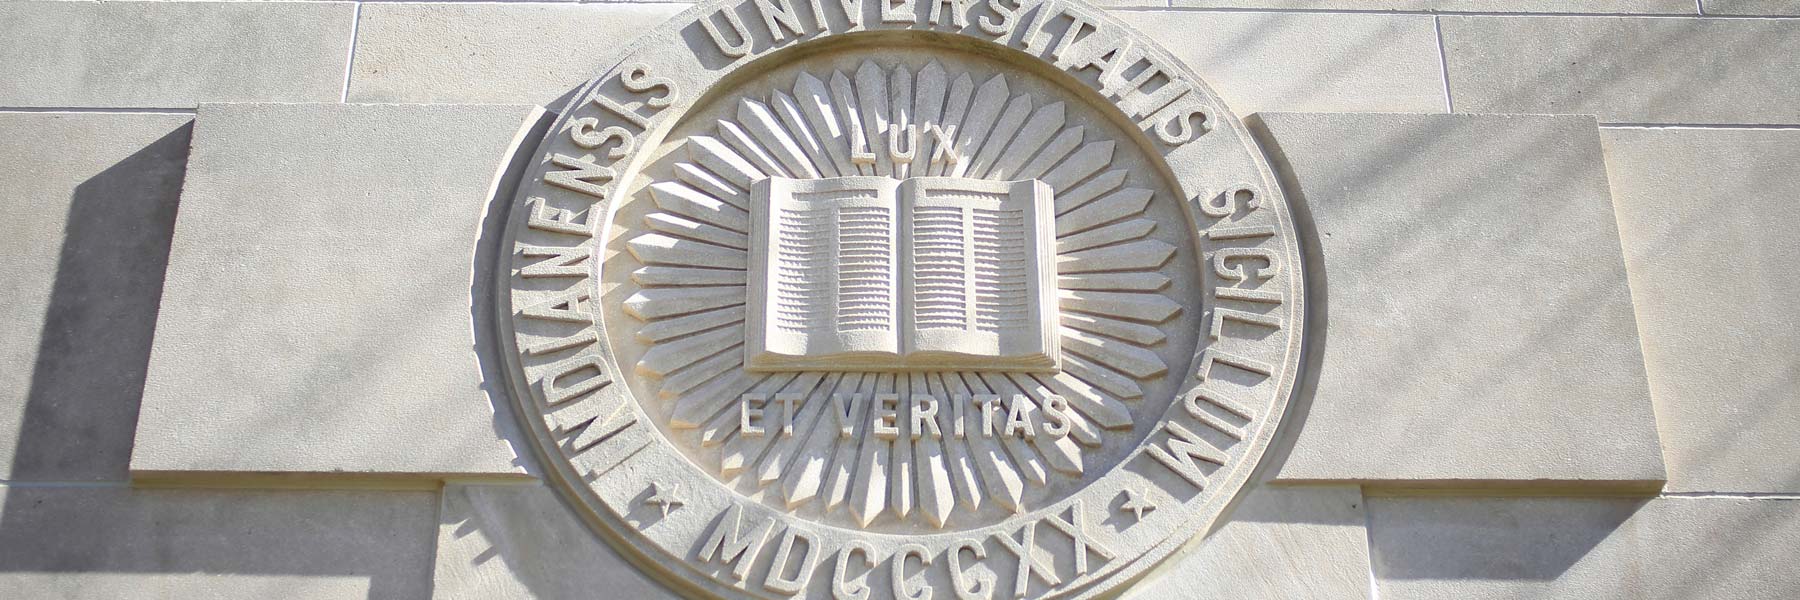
(1626,70)
(1478,326)
(172,54)
(1677,7)
(1280,542)
(115,542)
(1667,548)
(1707,221)
(317,312)
(1751,7)
(523,542)
(1300,62)
(90,204)
(490,52)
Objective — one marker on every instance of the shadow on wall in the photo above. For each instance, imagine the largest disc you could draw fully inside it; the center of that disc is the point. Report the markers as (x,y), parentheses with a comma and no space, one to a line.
(68,509)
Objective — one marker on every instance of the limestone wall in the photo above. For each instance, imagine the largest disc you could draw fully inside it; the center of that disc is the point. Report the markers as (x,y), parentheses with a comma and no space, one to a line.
(1552,350)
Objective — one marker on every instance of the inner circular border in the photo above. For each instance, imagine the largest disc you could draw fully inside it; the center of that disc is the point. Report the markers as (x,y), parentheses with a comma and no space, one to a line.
(546,211)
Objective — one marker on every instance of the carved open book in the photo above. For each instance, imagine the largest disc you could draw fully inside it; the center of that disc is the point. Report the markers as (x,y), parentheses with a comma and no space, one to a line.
(857,273)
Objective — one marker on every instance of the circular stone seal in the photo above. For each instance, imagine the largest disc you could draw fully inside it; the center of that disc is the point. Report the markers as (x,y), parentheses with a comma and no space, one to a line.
(899,299)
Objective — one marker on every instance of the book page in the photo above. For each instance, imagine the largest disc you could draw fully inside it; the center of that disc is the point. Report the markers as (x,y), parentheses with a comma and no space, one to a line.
(973,272)
(830,274)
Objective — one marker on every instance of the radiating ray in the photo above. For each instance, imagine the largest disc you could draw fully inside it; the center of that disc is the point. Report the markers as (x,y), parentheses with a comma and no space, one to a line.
(1105,410)
(794,119)
(1108,380)
(1111,234)
(711,184)
(743,450)
(751,150)
(1023,456)
(667,329)
(724,420)
(1129,359)
(869,493)
(1058,452)
(761,122)
(689,202)
(666,357)
(695,230)
(956,110)
(962,466)
(822,116)
(783,444)
(935,494)
(657,303)
(1131,281)
(653,276)
(1004,483)
(843,472)
(1141,255)
(800,481)
(1136,333)
(659,249)
(872,99)
(983,110)
(900,484)
(1124,203)
(1143,308)
(694,408)
(1086,161)
(900,119)
(1059,148)
(1037,129)
(1067,200)
(928,108)
(679,382)
(722,161)
(1001,136)
(850,117)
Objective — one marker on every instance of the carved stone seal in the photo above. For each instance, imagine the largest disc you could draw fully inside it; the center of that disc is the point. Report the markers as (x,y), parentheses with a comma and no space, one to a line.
(899,299)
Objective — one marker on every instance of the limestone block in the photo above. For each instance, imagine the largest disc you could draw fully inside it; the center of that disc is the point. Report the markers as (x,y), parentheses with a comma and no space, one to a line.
(1279,542)
(90,204)
(1707,217)
(1477,326)
(172,54)
(1304,62)
(116,542)
(1626,70)
(1667,548)
(1751,7)
(1678,7)
(460,52)
(317,316)
(508,542)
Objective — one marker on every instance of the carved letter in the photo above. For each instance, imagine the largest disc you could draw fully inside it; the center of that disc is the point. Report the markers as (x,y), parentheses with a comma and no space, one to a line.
(841,586)
(887,412)
(556,391)
(902,587)
(1029,564)
(580,175)
(780,14)
(725,544)
(778,580)
(1183,448)
(924,415)
(566,261)
(556,220)
(1076,529)
(977,587)
(750,414)
(729,49)
(1236,272)
(847,407)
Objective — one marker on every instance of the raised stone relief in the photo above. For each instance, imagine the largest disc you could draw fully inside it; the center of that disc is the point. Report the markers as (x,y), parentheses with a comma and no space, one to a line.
(900,300)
